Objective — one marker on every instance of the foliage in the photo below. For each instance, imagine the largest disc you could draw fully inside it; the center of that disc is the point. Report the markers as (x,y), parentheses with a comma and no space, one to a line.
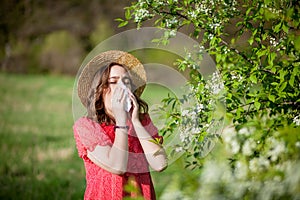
(60,52)
(255,45)
(101,32)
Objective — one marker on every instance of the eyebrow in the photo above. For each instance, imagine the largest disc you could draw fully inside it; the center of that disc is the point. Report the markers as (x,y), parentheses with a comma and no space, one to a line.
(116,77)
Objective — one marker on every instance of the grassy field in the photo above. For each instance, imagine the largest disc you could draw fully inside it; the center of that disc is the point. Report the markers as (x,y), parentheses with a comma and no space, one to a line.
(38,154)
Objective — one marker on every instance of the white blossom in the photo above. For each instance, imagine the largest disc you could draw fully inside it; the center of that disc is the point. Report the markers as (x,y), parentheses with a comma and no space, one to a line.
(253,165)
(173,33)
(171,22)
(192,14)
(296,120)
(258,164)
(235,146)
(183,136)
(226,50)
(141,14)
(178,149)
(228,134)
(203,8)
(232,145)
(211,172)
(214,26)
(199,107)
(215,84)
(276,148)
(210,36)
(185,112)
(237,77)
(273,42)
(201,50)
(248,147)
(241,170)
(244,131)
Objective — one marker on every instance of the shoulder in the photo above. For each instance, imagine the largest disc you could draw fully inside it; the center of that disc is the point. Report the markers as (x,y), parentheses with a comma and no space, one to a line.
(84,123)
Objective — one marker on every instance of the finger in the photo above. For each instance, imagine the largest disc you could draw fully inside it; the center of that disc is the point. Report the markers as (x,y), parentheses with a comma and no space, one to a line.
(118,93)
(115,96)
(133,99)
(131,94)
(122,94)
(121,98)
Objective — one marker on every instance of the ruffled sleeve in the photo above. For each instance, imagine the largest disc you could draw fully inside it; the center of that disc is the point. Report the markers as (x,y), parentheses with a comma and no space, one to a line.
(88,134)
(149,126)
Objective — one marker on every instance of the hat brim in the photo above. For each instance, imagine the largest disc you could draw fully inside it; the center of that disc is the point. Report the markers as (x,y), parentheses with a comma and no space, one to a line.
(135,67)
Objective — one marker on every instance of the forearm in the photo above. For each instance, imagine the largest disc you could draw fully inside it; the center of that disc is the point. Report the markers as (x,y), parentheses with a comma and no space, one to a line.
(114,158)
(155,153)
(118,154)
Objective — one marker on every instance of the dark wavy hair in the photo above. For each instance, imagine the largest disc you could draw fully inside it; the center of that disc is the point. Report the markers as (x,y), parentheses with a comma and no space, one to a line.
(95,103)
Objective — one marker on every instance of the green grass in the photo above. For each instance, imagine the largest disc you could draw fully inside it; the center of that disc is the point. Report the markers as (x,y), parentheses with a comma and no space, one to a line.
(38,157)
(38,154)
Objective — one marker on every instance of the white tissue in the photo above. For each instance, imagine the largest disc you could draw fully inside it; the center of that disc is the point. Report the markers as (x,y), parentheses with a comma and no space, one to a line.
(127,98)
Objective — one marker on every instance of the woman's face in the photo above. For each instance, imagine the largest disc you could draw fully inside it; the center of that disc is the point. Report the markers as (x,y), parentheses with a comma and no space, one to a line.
(117,73)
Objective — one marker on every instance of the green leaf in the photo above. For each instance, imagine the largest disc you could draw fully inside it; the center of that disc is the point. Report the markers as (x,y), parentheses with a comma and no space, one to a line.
(282,87)
(267,2)
(124,23)
(271,97)
(248,11)
(257,105)
(282,74)
(251,40)
(119,20)
(253,78)
(297,43)
(238,112)
(218,57)
(273,69)
(269,15)
(271,57)
(285,28)
(261,52)
(292,80)
(127,13)
(277,27)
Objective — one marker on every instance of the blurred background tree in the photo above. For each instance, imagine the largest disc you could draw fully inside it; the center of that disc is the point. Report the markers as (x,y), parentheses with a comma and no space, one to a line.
(54,36)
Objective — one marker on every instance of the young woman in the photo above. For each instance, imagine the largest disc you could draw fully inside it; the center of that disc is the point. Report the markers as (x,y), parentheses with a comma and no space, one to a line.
(116,138)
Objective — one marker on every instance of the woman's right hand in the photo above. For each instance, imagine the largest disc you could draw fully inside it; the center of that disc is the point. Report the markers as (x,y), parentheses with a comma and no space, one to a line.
(118,106)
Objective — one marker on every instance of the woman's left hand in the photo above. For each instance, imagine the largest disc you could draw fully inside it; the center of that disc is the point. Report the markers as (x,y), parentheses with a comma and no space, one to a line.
(135,107)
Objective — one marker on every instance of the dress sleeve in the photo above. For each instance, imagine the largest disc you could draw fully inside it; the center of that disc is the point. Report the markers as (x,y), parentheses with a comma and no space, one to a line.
(149,126)
(88,134)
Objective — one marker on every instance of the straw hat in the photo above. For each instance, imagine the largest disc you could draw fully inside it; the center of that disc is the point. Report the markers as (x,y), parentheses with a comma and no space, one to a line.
(135,67)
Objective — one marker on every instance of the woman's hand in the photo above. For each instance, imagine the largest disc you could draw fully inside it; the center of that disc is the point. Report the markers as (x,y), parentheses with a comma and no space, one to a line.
(118,106)
(135,108)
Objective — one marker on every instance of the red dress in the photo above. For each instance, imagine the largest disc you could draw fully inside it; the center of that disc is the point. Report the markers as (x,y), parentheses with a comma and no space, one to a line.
(101,184)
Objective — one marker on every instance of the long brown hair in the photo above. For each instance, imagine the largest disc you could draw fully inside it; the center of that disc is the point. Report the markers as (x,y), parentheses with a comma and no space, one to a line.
(95,103)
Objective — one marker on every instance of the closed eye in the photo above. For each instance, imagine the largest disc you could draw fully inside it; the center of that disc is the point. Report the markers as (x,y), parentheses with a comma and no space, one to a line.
(112,82)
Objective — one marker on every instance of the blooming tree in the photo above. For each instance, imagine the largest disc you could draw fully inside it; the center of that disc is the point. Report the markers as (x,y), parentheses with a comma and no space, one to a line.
(255,45)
